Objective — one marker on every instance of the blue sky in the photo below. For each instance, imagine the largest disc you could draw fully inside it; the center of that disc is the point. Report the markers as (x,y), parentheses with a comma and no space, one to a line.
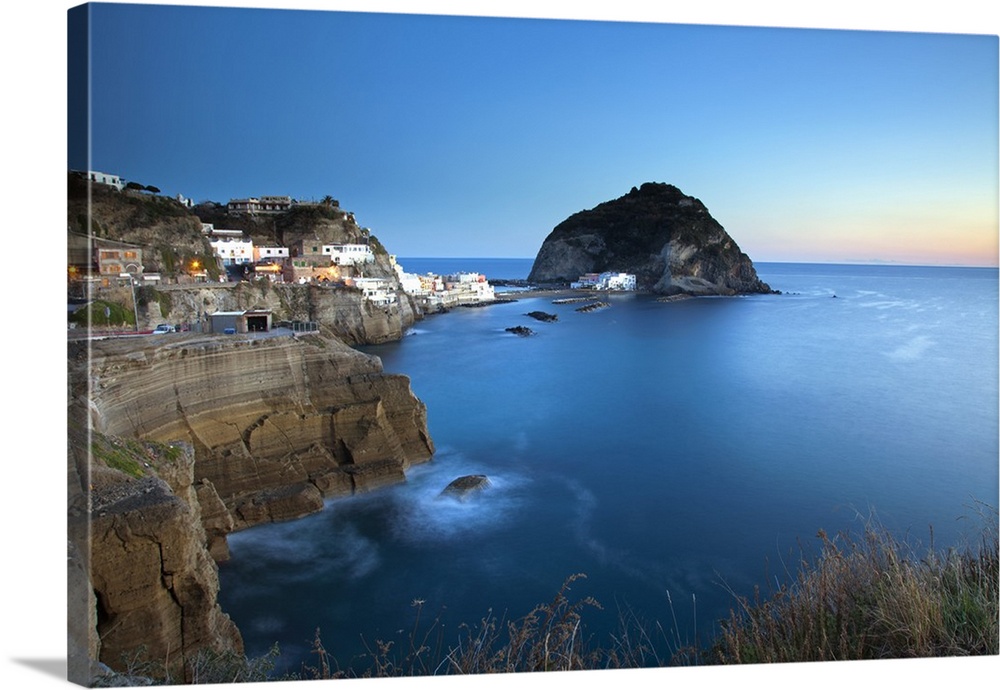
(475,136)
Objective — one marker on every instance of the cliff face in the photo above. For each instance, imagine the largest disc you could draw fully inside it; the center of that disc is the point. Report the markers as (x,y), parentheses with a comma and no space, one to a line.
(140,573)
(277,424)
(341,312)
(666,238)
(178,440)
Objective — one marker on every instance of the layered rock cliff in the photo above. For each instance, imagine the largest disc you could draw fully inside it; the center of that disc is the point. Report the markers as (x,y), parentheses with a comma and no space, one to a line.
(666,238)
(277,424)
(340,312)
(258,429)
(176,441)
(142,585)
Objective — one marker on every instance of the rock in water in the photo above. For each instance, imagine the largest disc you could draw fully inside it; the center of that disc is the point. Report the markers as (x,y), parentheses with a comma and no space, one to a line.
(522,331)
(543,316)
(463,487)
(666,238)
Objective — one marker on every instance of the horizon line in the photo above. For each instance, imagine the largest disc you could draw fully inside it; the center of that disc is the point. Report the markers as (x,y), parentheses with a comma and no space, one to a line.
(832,262)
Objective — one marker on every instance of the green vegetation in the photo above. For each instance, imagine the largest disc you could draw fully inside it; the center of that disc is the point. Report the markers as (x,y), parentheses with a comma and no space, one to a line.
(376,246)
(132,456)
(119,454)
(101,313)
(147,294)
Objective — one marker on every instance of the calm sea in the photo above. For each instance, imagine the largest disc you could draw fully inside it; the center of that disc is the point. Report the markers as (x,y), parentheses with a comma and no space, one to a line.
(672,452)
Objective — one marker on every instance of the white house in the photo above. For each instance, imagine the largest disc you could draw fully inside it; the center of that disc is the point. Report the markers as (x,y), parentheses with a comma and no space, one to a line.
(618,281)
(465,287)
(609,280)
(349,254)
(586,281)
(409,282)
(104,178)
(265,253)
(233,251)
(376,290)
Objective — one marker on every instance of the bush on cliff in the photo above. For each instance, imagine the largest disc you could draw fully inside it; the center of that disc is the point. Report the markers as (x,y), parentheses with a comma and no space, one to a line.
(100,313)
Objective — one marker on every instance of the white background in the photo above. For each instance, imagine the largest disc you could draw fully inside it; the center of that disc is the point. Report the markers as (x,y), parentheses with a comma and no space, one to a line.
(34,165)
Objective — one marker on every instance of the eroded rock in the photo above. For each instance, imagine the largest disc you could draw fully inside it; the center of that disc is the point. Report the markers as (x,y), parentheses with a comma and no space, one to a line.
(465,487)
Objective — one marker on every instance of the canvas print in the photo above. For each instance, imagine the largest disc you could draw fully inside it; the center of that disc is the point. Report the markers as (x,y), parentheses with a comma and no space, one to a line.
(406,345)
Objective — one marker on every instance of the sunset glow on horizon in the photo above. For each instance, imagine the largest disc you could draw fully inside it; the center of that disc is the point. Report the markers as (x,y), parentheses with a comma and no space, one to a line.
(475,136)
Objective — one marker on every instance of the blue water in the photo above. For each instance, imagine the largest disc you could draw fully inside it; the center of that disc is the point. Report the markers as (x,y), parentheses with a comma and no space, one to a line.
(672,452)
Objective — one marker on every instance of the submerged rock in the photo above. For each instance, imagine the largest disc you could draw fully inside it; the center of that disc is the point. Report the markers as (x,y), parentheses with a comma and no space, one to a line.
(463,487)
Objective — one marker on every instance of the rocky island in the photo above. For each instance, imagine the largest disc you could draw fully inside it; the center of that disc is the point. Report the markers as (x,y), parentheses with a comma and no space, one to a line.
(666,238)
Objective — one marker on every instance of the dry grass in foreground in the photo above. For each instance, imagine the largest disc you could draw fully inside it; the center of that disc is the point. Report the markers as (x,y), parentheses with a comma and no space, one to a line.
(872,598)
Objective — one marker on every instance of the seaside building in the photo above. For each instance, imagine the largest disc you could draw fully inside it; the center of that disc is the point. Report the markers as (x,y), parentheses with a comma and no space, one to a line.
(232,251)
(348,254)
(410,283)
(376,290)
(269,254)
(469,287)
(434,292)
(609,280)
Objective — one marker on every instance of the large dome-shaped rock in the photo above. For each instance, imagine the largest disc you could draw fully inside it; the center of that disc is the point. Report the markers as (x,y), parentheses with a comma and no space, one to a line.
(666,238)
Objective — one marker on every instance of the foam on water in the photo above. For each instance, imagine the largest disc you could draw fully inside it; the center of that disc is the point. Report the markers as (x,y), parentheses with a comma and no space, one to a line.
(423,516)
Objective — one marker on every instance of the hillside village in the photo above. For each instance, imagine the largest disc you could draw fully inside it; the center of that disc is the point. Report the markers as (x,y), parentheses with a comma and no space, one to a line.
(327,249)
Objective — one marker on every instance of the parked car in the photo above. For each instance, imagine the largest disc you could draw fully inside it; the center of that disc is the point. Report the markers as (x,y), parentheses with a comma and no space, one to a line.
(164,328)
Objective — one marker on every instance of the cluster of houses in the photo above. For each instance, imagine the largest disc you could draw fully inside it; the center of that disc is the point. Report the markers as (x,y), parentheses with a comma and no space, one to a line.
(608,280)
(303,262)
(436,292)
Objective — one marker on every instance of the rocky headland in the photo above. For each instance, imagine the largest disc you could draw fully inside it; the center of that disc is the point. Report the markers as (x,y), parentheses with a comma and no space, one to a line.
(178,440)
(260,429)
(666,238)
